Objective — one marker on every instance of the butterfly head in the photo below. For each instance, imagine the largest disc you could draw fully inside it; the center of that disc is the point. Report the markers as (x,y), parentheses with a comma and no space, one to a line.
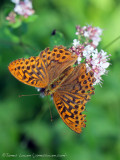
(50,89)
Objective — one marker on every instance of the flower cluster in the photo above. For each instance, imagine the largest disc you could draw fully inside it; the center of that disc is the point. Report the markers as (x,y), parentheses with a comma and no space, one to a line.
(11,17)
(23,8)
(86,49)
(96,61)
(90,35)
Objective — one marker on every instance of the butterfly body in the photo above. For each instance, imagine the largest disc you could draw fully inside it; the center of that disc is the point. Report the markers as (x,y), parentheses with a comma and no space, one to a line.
(53,71)
(55,84)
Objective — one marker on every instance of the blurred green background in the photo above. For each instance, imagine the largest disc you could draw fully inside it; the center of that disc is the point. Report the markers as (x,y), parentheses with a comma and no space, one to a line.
(25,123)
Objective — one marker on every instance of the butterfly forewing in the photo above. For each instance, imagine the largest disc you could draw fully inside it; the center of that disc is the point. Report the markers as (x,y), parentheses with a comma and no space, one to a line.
(57,60)
(31,71)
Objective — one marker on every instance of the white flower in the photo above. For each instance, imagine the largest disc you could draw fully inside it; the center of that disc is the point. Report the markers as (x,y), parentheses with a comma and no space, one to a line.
(89,48)
(84,27)
(99,31)
(15,1)
(24,8)
(28,3)
(77,33)
(79,59)
(105,65)
(76,42)
(96,40)
(103,53)
(86,34)
(87,51)
(18,9)
(95,43)
(94,56)
(95,62)
(88,67)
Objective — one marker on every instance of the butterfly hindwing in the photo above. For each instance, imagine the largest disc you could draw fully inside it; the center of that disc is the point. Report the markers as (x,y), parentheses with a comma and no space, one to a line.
(31,71)
(70,111)
(72,95)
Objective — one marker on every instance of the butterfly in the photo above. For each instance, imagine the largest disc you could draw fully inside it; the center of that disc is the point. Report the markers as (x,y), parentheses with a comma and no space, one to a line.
(53,71)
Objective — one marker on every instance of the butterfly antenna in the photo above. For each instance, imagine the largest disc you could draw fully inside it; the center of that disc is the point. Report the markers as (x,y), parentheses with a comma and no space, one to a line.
(49,109)
(109,44)
(28,95)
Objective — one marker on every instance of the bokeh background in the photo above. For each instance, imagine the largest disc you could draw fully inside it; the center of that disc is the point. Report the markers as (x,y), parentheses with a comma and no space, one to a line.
(25,123)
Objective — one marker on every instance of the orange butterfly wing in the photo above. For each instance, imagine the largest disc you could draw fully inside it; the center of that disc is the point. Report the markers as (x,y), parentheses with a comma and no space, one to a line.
(40,71)
(31,71)
(71,97)
(57,60)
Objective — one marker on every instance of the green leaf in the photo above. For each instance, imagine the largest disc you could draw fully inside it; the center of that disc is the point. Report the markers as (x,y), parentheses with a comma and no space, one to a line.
(22,29)
(57,39)
(16,24)
(30,18)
